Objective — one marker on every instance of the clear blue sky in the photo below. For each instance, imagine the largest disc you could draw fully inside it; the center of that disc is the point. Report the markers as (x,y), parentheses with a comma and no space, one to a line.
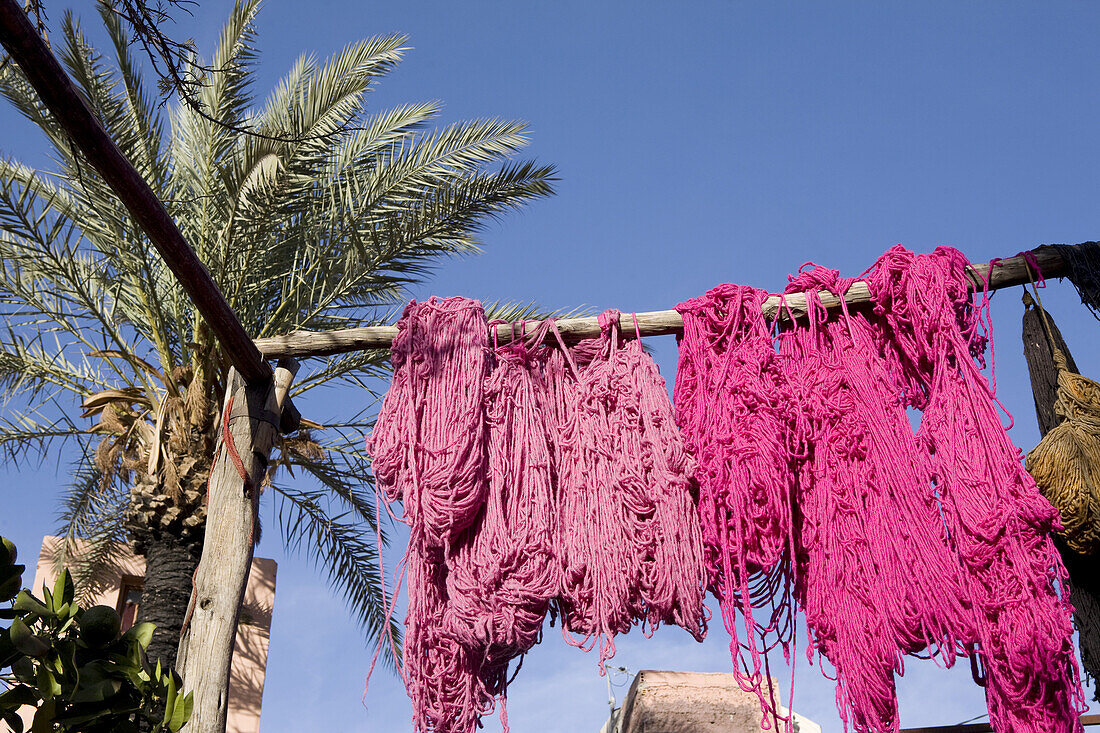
(697,143)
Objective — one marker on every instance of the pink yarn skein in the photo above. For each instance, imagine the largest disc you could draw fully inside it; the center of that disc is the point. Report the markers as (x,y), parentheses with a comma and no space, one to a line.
(997,522)
(731,408)
(875,576)
(429,441)
(628,536)
(503,576)
(528,473)
(429,452)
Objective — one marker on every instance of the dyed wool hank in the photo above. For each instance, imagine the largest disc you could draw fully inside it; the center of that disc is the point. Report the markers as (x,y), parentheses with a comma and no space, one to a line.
(628,535)
(429,449)
(875,576)
(730,407)
(503,576)
(998,523)
(528,473)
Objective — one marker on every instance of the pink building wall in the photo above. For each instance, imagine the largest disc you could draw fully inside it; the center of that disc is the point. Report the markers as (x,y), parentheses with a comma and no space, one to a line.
(246,683)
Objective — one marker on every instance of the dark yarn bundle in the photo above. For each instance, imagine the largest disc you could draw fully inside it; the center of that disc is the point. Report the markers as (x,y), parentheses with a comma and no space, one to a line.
(1039,353)
(1040,363)
(1083,262)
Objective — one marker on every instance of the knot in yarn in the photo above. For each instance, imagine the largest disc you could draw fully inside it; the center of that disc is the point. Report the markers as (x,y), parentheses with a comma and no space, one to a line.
(814,278)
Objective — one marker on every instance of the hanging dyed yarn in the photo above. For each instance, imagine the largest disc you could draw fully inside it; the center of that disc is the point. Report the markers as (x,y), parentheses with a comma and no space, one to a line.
(628,534)
(429,442)
(429,452)
(874,574)
(997,521)
(901,542)
(528,473)
(731,409)
(502,578)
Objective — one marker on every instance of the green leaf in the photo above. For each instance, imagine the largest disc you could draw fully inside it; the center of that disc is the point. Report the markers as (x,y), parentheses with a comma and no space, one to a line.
(142,633)
(63,590)
(23,669)
(48,686)
(12,579)
(182,712)
(16,697)
(170,700)
(67,610)
(96,691)
(25,641)
(8,652)
(43,719)
(24,601)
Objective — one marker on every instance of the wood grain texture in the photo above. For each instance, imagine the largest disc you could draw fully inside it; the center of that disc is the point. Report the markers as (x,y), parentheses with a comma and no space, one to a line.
(1007,273)
(65,102)
(206,647)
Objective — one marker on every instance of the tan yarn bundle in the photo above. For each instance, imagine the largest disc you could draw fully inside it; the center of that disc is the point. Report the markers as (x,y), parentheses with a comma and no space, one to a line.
(1066,463)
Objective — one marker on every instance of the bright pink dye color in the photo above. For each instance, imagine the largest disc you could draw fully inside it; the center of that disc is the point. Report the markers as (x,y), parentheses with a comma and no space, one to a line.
(902,542)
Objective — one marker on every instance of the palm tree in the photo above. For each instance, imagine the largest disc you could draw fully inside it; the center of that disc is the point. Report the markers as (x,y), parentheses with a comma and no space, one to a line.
(309,212)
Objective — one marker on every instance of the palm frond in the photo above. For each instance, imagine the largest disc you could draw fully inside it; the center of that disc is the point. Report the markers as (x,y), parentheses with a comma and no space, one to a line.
(340,544)
(92,528)
(141,108)
(27,433)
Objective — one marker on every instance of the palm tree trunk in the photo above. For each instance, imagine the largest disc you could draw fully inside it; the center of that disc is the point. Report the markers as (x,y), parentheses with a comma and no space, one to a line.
(169,566)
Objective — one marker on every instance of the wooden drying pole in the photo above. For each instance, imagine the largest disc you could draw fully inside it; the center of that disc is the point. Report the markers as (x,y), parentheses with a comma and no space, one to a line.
(982,727)
(207,651)
(1007,273)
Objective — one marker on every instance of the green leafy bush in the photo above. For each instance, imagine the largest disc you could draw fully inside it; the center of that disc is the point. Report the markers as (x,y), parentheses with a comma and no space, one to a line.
(75,667)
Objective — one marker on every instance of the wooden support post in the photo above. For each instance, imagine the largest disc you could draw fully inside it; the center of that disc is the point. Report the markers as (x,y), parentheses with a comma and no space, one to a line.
(206,649)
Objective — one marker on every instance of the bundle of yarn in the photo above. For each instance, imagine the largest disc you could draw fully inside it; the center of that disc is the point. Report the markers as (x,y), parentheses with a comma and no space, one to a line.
(628,535)
(874,573)
(732,409)
(1066,463)
(998,522)
(1042,340)
(528,474)
(934,540)
(429,449)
